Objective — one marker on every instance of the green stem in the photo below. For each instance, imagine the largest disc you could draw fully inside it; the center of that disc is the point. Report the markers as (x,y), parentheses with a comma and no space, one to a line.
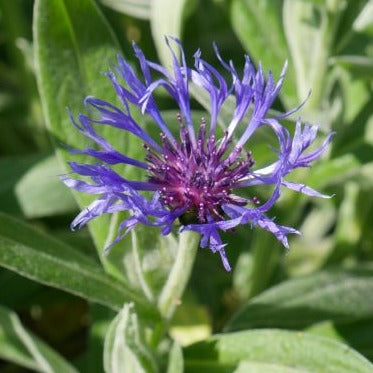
(180,274)
(157,335)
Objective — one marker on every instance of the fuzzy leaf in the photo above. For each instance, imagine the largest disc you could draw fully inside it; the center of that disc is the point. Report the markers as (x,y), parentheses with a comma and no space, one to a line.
(167,20)
(136,8)
(281,349)
(338,295)
(44,259)
(125,349)
(73,46)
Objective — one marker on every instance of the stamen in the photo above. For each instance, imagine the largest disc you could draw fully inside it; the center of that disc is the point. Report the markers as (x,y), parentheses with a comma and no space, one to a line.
(198,179)
(255,200)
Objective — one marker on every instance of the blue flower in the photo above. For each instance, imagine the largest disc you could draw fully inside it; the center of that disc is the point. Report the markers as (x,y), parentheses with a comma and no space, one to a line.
(192,177)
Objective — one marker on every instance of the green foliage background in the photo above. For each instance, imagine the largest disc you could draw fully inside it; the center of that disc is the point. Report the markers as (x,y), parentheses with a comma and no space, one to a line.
(67,307)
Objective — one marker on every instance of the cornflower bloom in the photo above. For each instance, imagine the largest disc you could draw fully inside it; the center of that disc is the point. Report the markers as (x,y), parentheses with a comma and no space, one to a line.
(192,177)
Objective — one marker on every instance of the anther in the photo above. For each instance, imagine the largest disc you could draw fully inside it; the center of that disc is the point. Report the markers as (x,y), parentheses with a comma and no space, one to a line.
(255,201)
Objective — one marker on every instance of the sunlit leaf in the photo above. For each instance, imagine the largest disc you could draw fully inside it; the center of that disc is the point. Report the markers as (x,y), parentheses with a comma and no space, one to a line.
(309,33)
(280,349)
(167,20)
(357,335)
(175,360)
(136,8)
(364,21)
(258,25)
(333,171)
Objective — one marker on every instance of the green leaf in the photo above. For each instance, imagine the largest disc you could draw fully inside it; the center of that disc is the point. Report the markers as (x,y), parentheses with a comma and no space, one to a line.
(333,171)
(254,367)
(346,37)
(135,8)
(281,349)
(354,215)
(338,295)
(175,360)
(167,20)
(44,259)
(73,46)
(253,273)
(352,137)
(31,186)
(360,66)
(348,230)
(310,250)
(358,334)
(125,349)
(148,258)
(309,33)
(258,25)
(364,21)
(23,348)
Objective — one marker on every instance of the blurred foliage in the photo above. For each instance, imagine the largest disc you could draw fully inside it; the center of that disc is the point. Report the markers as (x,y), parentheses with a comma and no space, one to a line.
(322,286)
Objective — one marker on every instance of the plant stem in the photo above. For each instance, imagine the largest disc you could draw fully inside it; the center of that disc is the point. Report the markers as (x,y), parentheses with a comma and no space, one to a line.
(180,274)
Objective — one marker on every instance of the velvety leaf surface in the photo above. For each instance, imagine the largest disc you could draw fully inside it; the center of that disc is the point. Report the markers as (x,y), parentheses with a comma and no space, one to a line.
(283,350)
(338,295)
(125,349)
(166,20)
(258,25)
(148,258)
(357,335)
(70,56)
(44,259)
(136,8)
(175,360)
(245,366)
(310,29)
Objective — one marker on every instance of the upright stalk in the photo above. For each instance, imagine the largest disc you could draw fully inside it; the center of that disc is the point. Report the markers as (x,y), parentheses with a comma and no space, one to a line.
(179,275)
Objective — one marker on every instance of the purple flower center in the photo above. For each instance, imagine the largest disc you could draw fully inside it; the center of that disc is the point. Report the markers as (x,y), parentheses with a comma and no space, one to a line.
(192,179)
(199,179)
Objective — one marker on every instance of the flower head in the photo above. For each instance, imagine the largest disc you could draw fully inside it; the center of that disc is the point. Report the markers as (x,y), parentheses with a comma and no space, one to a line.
(194,177)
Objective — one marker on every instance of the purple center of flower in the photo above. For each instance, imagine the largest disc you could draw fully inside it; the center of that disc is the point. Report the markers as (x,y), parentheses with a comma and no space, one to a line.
(199,179)
(192,179)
